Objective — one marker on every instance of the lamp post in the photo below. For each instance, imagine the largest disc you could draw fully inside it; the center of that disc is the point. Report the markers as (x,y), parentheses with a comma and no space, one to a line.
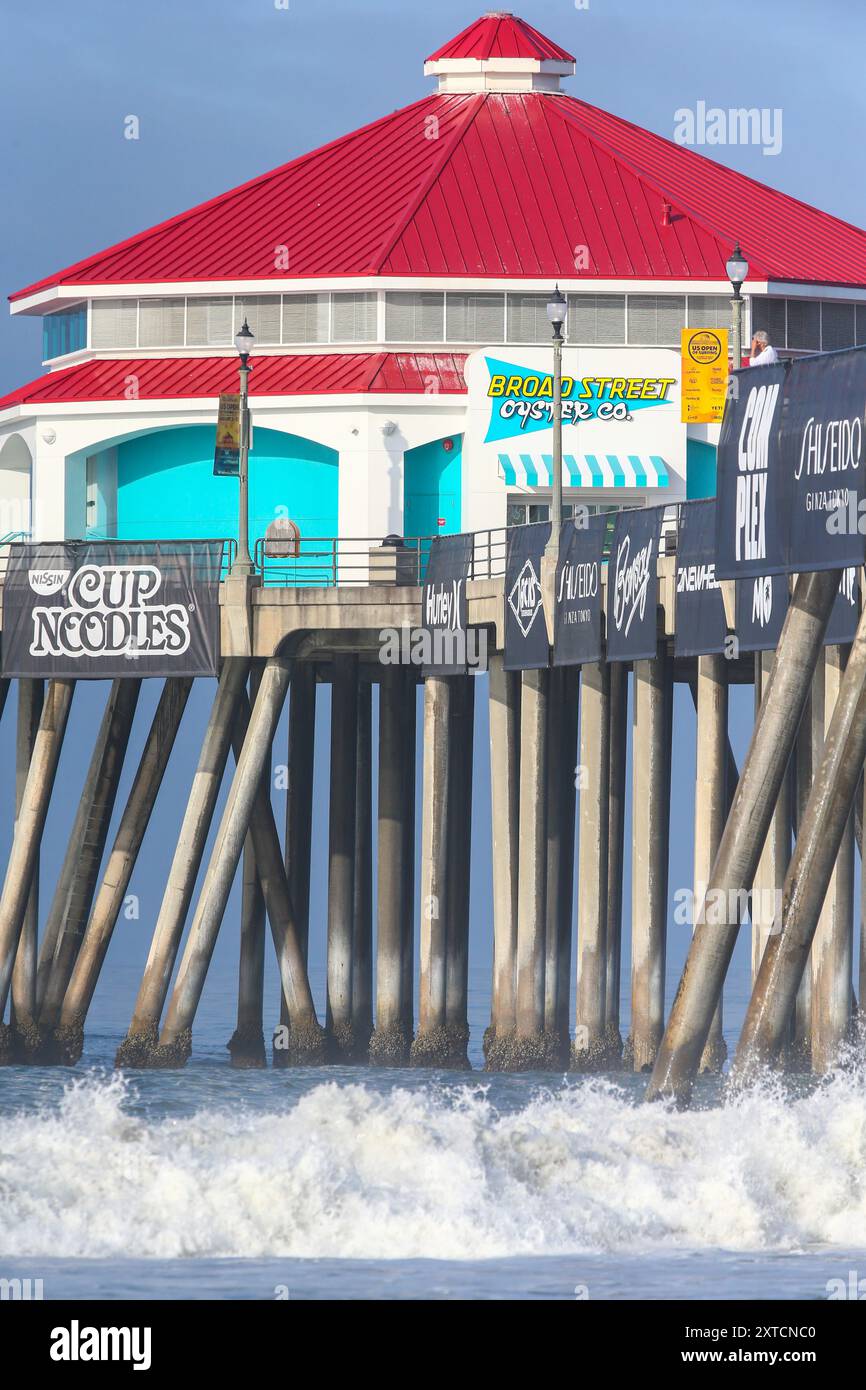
(557,312)
(738,268)
(243,564)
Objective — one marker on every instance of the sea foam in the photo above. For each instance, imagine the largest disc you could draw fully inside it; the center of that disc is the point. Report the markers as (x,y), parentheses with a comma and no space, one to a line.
(350,1171)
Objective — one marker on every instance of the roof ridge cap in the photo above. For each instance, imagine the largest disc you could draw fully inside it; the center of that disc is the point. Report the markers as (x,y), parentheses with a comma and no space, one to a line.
(414,202)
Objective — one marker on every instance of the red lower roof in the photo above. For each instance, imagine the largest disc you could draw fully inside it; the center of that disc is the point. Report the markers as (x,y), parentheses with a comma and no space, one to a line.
(178,378)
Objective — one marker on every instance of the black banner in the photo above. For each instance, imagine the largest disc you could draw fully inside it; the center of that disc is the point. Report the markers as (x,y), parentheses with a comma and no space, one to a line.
(632,585)
(701,626)
(104,609)
(444,605)
(761,607)
(577,625)
(845,613)
(821,447)
(526,646)
(752,492)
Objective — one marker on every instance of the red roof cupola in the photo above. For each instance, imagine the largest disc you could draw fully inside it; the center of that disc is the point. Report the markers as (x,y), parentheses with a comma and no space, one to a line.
(500,53)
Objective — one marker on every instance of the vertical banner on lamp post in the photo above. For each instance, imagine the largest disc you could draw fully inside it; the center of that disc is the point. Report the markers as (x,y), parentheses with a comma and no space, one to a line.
(701,626)
(632,585)
(227,455)
(526,647)
(577,614)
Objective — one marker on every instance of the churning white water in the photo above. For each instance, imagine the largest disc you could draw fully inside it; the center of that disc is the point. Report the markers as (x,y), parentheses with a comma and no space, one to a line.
(353,1171)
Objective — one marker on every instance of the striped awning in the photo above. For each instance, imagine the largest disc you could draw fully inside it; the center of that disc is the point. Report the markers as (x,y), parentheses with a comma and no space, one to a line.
(585,470)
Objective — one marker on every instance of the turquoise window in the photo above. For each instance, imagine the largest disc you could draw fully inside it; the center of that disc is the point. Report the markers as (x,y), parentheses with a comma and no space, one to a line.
(64,332)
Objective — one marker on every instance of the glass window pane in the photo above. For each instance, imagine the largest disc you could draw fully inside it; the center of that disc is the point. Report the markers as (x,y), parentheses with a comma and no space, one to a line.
(804,324)
(596,318)
(160,322)
(353,318)
(709,311)
(476,318)
(305,318)
(838,329)
(769,314)
(114,323)
(415,318)
(515,514)
(210,322)
(656,318)
(527,319)
(861,324)
(262,313)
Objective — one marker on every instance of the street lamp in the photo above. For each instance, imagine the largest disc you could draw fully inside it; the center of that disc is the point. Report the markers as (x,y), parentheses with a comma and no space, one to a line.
(557,312)
(738,268)
(243,564)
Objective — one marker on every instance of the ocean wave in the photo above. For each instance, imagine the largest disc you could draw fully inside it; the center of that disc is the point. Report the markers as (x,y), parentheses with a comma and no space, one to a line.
(350,1171)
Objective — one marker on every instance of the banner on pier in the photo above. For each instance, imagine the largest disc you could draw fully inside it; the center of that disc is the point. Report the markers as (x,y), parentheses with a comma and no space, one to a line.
(108,609)
(445,606)
(845,613)
(791,467)
(526,646)
(632,586)
(701,627)
(761,605)
(577,614)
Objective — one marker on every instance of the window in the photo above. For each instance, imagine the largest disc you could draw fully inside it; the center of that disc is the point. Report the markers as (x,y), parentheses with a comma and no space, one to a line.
(64,332)
(527,319)
(476,318)
(160,322)
(838,326)
(210,322)
(114,323)
(262,313)
(804,324)
(656,318)
(596,318)
(709,311)
(415,318)
(770,315)
(305,318)
(861,324)
(353,318)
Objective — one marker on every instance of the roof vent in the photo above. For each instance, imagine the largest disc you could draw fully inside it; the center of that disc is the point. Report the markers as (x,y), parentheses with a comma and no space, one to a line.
(500,53)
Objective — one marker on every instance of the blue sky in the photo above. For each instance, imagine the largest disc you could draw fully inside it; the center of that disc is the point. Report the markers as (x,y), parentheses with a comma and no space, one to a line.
(224,91)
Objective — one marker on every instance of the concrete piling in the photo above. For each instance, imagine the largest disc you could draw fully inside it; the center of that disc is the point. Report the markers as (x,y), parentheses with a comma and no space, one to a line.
(247,1044)
(28,833)
(651,767)
(69,1035)
(504,722)
(85,850)
(392,1039)
(299,817)
(430,1046)
(821,833)
(711,807)
(615,858)
(561,810)
(776,853)
(532,1048)
(341,857)
(745,832)
(832,955)
(590,1036)
(31,696)
(136,1049)
(362,916)
(459,832)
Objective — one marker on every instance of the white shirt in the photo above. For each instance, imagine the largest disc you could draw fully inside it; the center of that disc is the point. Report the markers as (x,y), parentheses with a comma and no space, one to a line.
(765,358)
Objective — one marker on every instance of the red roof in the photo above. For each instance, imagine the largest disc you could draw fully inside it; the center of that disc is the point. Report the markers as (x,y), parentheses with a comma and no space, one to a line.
(178,378)
(501,35)
(511,186)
